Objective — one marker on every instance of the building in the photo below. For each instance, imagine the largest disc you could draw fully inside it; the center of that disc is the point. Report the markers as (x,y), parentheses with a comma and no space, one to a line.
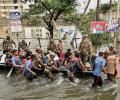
(7,6)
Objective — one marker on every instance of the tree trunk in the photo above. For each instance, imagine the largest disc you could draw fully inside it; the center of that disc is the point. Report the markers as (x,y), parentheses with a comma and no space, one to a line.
(80,22)
(50,29)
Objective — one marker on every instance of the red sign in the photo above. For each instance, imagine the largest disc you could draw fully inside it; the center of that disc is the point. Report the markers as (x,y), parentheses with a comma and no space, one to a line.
(98,27)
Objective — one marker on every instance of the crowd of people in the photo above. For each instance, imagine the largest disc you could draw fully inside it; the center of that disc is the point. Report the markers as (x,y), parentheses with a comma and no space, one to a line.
(55,60)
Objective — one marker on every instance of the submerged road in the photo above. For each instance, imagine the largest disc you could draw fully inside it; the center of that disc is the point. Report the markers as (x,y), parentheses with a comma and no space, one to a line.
(59,89)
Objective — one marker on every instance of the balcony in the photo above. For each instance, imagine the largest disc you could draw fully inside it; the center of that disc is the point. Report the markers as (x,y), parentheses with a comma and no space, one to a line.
(9,4)
(9,10)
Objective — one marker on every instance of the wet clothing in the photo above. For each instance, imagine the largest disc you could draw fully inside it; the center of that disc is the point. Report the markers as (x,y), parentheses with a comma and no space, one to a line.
(8,44)
(112,61)
(99,65)
(16,63)
(111,67)
(97,81)
(29,65)
(111,78)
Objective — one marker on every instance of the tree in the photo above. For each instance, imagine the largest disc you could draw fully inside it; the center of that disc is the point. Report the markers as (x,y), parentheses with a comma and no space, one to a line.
(49,11)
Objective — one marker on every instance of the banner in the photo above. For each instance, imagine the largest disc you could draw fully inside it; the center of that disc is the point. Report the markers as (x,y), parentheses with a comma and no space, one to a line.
(15,26)
(98,27)
(15,22)
(112,28)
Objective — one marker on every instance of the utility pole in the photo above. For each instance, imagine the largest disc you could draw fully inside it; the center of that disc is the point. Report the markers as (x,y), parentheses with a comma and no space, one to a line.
(110,20)
(97,10)
(118,13)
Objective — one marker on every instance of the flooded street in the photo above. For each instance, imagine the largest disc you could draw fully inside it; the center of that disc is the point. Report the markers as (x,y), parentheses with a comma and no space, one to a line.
(59,89)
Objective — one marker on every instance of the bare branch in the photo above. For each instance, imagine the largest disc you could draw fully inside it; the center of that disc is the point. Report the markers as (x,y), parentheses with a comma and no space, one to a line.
(51,14)
(58,14)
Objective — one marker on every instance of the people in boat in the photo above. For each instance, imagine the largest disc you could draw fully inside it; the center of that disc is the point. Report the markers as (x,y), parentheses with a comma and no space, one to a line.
(22,45)
(16,62)
(99,66)
(41,63)
(52,46)
(111,68)
(59,47)
(39,53)
(68,53)
(3,57)
(28,72)
(8,43)
(85,49)
(111,49)
(52,62)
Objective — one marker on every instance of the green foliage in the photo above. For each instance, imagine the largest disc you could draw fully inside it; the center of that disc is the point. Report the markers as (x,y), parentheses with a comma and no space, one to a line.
(99,39)
(86,21)
(50,9)
(104,8)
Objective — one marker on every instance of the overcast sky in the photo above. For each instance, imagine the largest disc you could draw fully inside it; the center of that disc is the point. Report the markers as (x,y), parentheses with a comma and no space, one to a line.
(93,3)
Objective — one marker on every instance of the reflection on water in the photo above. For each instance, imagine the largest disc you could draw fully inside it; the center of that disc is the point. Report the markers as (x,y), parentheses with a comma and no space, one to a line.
(60,89)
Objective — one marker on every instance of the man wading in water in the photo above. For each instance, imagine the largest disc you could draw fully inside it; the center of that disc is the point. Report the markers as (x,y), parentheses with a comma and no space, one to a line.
(111,68)
(99,65)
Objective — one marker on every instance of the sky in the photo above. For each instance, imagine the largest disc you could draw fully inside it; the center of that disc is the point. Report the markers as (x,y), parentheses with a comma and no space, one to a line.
(93,3)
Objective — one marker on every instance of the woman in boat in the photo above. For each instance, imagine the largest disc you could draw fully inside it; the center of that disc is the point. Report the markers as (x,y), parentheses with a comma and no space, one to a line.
(52,62)
(16,62)
(28,72)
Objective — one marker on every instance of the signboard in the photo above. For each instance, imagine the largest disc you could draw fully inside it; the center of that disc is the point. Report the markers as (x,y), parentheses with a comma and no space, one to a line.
(112,28)
(98,27)
(15,26)
(15,15)
(15,22)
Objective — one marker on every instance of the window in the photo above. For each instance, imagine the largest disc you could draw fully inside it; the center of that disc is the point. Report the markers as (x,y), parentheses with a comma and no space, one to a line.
(16,7)
(15,1)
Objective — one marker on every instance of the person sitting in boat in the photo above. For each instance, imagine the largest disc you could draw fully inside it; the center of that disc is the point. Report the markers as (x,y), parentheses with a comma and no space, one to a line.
(28,53)
(3,57)
(42,68)
(99,66)
(59,48)
(78,67)
(52,46)
(52,62)
(69,65)
(68,53)
(111,68)
(16,62)
(28,72)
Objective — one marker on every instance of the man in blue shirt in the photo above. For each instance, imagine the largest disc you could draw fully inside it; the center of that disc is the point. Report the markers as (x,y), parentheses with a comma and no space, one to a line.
(99,65)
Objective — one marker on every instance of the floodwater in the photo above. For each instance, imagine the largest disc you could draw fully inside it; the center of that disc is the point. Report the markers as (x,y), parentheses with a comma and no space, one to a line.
(60,89)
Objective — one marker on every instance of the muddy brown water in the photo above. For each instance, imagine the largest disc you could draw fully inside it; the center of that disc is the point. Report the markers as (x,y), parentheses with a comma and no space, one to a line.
(60,89)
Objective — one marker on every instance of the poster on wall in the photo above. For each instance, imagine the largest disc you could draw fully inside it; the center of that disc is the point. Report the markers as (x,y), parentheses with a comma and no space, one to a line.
(15,22)
(98,27)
